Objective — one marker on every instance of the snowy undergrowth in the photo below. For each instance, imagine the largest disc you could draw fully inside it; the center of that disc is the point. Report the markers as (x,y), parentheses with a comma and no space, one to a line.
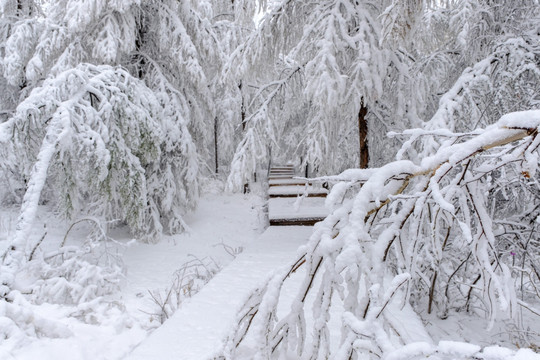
(66,284)
(424,332)
(90,301)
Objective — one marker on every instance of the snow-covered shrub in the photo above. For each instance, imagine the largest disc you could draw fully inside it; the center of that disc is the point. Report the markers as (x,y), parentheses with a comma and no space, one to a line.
(76,274)
(18,322)
(187,281)
(80,277)
(67,277)
(456,232)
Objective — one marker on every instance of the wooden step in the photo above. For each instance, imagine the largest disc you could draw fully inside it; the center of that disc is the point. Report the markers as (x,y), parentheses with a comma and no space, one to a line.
(281,173)
(278,177)
(292,183)
(289,182)
(310,194)
(296,222)
(295,191)
(282,169)
(284,209)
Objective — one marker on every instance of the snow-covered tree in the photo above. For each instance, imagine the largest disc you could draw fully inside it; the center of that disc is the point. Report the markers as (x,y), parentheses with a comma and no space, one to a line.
(232,22)
(439,233)
(488,51)
(331,62)
(12,12)
(348,66)
(168,45)
(93,134)
(113,113)
(436,236)
(108,118)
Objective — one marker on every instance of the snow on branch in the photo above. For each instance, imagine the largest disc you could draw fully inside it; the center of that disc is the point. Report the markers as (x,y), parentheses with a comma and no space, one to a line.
(501,79)
(415,238)
(261,130)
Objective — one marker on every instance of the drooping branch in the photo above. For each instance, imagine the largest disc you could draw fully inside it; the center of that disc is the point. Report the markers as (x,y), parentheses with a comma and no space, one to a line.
(365,255)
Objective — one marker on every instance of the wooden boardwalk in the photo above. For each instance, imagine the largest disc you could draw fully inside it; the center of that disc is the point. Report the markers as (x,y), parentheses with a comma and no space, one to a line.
(294,201)
(199,329)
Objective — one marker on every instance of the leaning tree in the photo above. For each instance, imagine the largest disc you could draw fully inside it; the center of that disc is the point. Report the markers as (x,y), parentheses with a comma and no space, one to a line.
(453,233)
(166,48)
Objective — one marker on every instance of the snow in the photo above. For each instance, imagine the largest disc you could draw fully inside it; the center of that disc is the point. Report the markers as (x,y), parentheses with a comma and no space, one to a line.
(198,330)
(284,208)
(295,190)
(407,323)
(111,332)
(458,348)
(228,219)
(529,119)
(131,143)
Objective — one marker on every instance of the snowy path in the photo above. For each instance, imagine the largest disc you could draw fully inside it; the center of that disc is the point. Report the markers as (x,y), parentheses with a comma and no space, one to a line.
(198,328)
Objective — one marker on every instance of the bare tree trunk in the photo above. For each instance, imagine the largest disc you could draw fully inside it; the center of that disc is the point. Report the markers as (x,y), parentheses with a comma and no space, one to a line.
(139,60)
(22,11)
(363,133)
(242,108)
(216,155)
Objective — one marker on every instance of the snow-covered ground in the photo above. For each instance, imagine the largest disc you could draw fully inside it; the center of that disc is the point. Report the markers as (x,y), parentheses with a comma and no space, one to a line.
(220,228)
(222,225)
(200,329)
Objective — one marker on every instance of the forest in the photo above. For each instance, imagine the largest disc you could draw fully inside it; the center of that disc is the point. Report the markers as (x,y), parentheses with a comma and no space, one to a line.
(137,124)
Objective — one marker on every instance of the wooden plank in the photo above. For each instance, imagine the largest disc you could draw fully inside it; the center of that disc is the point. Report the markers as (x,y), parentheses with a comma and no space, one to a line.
(299,189)
(277,177)
(286,182)
(295,222)
(310,194)
(294,191)
(297,183)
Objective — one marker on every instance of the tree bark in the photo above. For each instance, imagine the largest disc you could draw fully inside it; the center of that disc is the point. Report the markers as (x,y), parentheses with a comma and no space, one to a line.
(216,144)
(363,133)
(242,108)
(140,61)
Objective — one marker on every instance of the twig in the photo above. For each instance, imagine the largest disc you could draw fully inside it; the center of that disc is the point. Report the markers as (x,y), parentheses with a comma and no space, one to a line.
(37,245)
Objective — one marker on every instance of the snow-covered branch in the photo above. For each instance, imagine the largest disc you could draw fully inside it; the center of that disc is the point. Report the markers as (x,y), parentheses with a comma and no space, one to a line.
(402,242)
